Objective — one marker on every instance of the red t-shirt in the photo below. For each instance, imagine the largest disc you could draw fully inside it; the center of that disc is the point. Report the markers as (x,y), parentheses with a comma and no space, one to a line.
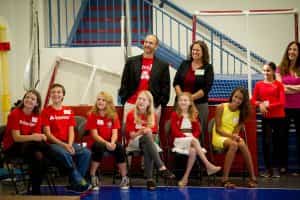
(131,126)
(273,93)
(19,121)
(59,121)
(103,125)
(144,79)
(176,121)
(189,81)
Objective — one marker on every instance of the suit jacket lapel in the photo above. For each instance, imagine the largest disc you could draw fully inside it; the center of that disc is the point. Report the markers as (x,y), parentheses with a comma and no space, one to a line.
(154,69)
(138,68)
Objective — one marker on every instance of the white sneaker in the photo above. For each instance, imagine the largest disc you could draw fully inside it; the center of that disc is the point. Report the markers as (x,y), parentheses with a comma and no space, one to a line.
(95,182)
(124,183)
(276,173)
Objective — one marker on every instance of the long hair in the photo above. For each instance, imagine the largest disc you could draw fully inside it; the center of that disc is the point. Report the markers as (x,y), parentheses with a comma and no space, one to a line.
(150,113)
(37,108)
(245,107)
(285,64)
(205,54)
(110,109)
(272,65)
(192,110)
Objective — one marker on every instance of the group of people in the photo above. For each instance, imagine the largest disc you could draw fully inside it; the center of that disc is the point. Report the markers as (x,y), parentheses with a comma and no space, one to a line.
(48,137)
(277,99)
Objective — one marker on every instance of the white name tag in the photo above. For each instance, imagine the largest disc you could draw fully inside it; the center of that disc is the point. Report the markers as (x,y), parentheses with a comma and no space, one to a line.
(138,126)
(235,120)
(100,122)
(67,112)
(199,72)
(34,119)
(267,103)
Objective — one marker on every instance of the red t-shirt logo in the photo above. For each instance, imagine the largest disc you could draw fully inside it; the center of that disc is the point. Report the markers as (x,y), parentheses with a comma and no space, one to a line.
(144,79)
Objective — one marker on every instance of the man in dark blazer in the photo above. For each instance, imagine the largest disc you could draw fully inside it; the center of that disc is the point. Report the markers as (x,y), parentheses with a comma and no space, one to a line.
(145,72)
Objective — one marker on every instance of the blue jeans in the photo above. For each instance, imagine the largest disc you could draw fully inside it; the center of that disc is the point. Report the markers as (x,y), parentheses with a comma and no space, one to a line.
(78,166)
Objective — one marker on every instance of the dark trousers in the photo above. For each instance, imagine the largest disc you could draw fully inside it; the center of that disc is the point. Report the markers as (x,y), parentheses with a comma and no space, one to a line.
(151,155)
(274,141)
(293,114)
(98,150)
(37,155)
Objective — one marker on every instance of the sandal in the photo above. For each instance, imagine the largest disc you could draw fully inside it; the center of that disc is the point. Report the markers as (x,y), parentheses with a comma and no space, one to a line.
(252,183)
(151,185)
(182,183)
(166,174)
(228,185)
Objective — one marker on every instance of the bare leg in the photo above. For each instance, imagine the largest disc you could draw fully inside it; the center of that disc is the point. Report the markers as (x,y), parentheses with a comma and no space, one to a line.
(232,148)
(247,157)
(94,167)
(189,166)
(122,168)
(211,168)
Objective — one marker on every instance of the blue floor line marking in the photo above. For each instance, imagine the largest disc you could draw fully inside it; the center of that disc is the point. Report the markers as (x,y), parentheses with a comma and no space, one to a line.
(188,193)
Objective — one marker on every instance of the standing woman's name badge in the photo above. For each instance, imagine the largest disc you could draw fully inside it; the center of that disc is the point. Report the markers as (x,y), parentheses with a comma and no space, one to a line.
(199,72)
(100,122)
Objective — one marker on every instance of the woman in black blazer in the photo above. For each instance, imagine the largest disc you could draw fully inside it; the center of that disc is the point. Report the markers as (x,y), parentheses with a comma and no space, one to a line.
(196,76)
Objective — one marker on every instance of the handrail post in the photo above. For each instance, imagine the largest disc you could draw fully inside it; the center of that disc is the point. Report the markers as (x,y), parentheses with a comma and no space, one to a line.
(296,27)
(194,28)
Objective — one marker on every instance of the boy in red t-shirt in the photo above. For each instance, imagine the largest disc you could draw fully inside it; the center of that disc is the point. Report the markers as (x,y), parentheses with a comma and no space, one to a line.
(58,122)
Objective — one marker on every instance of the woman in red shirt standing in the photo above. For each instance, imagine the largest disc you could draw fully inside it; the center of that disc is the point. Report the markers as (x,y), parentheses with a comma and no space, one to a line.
(185,130)
(103,124)
(23,137)
(269,97)
(141,128)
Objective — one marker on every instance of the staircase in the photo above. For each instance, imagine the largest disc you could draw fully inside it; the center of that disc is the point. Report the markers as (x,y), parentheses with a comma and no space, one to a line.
(99,23)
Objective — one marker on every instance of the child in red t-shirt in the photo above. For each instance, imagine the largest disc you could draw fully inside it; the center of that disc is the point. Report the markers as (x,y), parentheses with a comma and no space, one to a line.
(140,129)
(103,124)
(58,121)
(185,129)
(23,137)
(269,97)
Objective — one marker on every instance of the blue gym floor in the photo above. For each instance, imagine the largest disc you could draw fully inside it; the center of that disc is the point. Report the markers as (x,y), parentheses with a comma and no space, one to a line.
(175,193)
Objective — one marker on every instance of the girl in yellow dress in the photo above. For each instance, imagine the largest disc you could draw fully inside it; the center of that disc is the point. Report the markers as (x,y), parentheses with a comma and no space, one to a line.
(229,119)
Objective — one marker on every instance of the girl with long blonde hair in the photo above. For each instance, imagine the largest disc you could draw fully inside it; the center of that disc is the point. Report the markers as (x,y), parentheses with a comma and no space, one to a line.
(141,127)
(185,131)
(103,124)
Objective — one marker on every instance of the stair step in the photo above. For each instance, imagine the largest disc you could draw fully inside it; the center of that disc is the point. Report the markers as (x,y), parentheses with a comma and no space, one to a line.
(105,25)
(115,8)
(117,30)
(116,14)
(109,19)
